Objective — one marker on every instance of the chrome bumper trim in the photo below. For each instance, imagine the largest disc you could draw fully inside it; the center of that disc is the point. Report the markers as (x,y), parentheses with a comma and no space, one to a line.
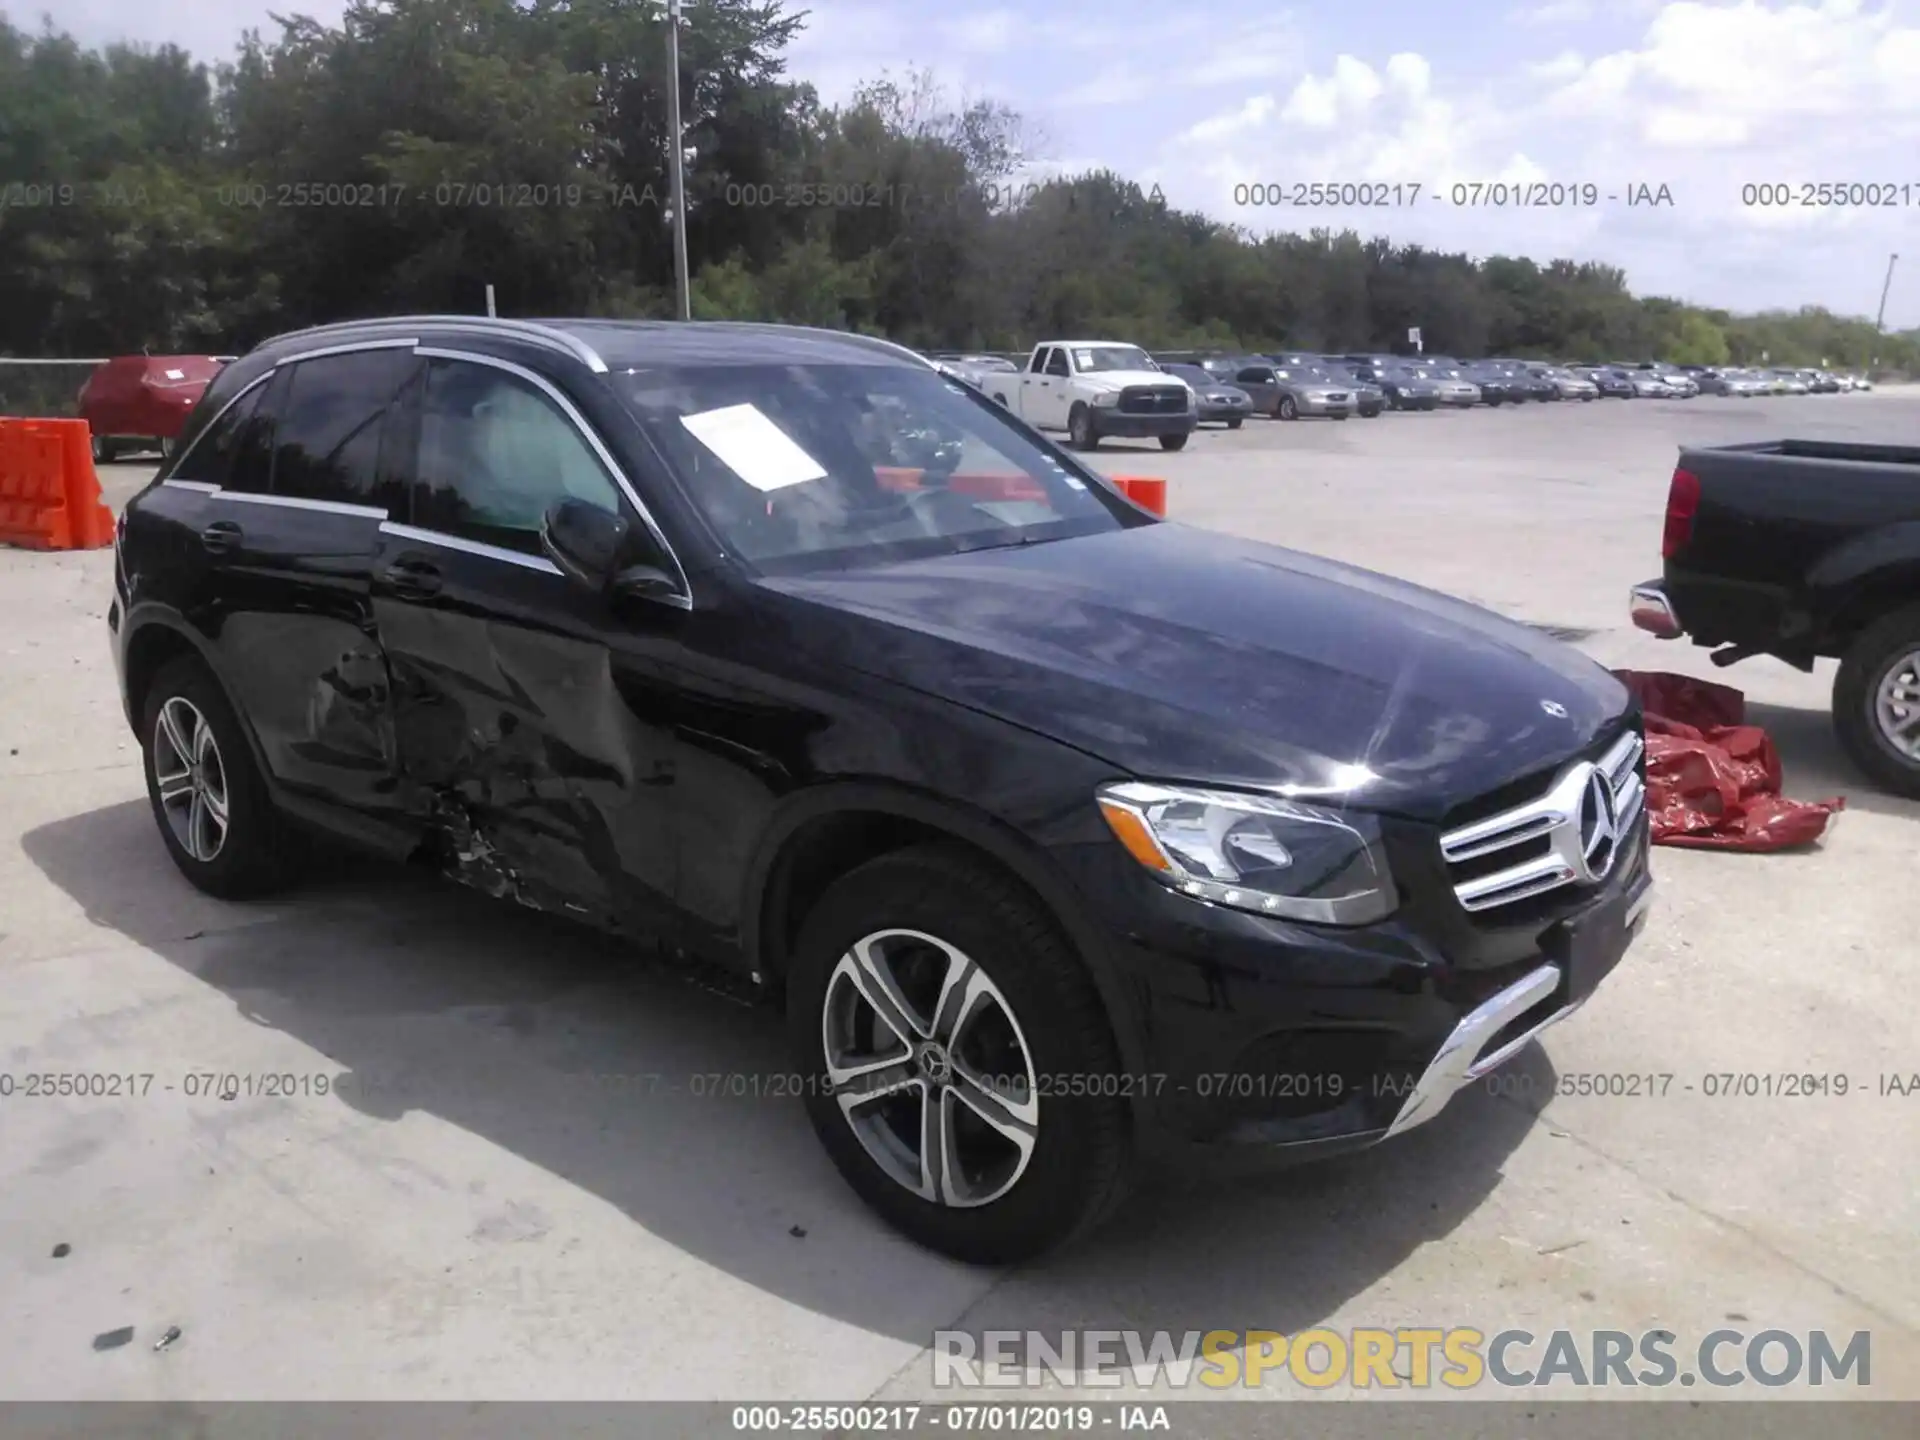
(1653,612)
(1459,1061)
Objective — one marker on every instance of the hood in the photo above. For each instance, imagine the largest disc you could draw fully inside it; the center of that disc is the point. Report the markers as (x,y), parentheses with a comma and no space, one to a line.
(1120,379)
(1183,654)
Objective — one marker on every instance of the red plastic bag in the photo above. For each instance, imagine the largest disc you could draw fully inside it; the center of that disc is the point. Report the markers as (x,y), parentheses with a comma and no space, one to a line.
(1713,781)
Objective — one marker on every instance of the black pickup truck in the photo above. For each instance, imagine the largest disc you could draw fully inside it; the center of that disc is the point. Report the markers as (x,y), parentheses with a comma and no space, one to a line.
(1805,549)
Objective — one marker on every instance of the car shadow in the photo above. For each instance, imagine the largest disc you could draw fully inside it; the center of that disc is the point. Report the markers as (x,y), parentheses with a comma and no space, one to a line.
(626,1076)
(1813,765)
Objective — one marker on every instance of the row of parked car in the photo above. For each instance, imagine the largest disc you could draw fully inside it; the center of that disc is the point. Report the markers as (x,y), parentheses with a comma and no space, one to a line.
(1229,389)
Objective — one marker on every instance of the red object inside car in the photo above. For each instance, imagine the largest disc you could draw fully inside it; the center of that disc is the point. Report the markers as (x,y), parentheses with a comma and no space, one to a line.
(145,396)
(1713,781)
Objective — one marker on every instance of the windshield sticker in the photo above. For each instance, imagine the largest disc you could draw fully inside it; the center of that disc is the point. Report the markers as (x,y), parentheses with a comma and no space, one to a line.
(1083,359)
(176,374)
(753,447)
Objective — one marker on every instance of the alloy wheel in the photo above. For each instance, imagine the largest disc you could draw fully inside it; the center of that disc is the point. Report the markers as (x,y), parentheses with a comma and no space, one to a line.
(930,1068)
(191,779)
(1896,706)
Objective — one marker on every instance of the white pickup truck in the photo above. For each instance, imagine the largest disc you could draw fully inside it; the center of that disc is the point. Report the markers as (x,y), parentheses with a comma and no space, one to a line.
(1093,389)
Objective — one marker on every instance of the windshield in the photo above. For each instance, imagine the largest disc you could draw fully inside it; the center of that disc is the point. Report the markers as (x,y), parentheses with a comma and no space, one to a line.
(1193,375)
(807,467)
(1091,359)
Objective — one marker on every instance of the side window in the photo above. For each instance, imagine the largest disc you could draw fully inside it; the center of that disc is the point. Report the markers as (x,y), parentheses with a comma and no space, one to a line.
(253,455)
(1057,362)
(495,454)
(211,459)
(1039,361)
(1257,374)
(327,445)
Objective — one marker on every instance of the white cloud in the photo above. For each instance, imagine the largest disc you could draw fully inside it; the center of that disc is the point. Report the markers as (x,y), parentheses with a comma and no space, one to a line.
(1561,68)
(1410,74)
(1218,127)
(1556,12)
(1707,100)
(1320,104)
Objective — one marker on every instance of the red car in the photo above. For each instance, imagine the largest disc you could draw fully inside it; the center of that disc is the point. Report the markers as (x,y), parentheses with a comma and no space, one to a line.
(140,402)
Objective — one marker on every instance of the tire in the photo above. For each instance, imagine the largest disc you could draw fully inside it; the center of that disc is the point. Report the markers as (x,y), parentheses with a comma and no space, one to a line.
(255,849)
(1235,424)
(104,451)
(1080,432)
(912,912)
(1286,409)
(1339,414)
(1867,671)
(169,447)
(1174,442)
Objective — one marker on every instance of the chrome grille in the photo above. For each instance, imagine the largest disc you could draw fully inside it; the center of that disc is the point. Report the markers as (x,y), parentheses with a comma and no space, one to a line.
(1153,400)
(1565,837)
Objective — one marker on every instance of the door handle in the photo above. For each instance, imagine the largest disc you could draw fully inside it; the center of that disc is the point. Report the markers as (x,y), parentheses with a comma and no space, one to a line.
(413,577)
(222,537)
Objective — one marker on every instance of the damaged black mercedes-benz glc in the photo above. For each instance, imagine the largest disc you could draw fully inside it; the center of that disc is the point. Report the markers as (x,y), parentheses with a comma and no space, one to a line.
(1066,833)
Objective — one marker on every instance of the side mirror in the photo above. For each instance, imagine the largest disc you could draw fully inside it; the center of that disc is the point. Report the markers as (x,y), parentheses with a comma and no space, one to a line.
(586,542)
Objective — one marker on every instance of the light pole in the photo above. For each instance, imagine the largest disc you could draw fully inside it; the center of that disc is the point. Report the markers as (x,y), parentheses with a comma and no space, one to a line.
(1880,320)
(679,157)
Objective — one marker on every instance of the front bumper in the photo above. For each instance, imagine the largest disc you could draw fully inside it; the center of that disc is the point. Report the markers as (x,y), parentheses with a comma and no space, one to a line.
(1320,405)
(1304,1040)
(1215,414)
(1124,426)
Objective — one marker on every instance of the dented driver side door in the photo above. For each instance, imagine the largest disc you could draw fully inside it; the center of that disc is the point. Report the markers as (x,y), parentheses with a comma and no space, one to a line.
(523,737)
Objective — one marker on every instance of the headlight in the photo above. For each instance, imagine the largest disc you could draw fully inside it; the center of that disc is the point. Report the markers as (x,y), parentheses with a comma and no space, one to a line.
(1255,852)
(1107,399)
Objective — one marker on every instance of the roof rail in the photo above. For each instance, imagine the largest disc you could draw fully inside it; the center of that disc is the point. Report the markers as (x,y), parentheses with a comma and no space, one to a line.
(550,336)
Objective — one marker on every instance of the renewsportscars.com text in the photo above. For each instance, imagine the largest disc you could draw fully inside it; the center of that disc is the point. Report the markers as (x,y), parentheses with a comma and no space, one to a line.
(1458,1358)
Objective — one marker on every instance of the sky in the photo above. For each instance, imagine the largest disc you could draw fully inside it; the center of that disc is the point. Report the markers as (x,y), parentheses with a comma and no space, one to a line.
(1227,108)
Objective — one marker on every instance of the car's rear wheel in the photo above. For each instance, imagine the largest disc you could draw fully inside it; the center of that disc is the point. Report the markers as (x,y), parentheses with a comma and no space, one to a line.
(208,795)
(957,1061)
(1173,442)
(1876,702)
(1080,431)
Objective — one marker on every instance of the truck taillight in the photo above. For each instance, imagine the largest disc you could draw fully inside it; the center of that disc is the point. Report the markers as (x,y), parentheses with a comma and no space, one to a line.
(1683,503)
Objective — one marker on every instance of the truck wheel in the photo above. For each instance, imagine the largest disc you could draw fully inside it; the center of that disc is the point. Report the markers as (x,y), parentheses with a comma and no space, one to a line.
(1080,431)
(1173,442)
(1286,409)
(927,995)
(1876,702)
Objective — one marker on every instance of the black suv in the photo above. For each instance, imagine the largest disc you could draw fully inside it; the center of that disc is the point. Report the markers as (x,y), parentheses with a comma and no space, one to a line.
(1067,835)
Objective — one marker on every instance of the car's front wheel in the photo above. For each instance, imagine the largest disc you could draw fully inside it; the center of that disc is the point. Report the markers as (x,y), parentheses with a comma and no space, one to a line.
(1234,424)
(1876,702)
(957,1062)
(1173,442)
(1080,429)
(1286,409)
(208,796)
(104,452)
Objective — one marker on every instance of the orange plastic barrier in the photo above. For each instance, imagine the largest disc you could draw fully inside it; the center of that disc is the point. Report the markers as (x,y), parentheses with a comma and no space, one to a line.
(1146,491)
(49,495)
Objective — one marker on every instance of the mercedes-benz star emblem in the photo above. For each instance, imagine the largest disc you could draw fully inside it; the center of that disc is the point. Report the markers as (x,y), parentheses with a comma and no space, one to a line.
(1554,708)
(1599,829)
